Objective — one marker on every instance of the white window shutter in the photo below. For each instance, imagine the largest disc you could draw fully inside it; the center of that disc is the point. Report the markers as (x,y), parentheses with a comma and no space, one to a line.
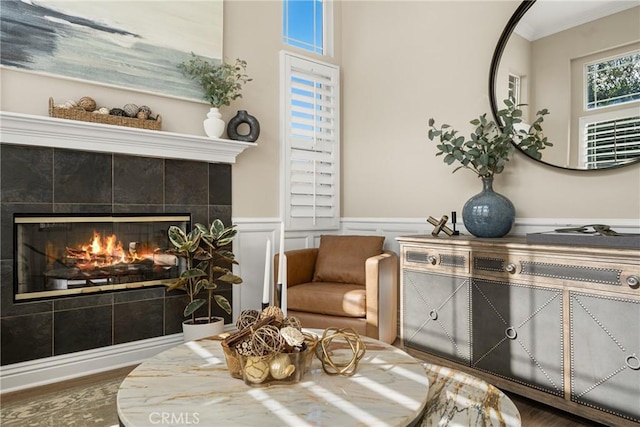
(310,129)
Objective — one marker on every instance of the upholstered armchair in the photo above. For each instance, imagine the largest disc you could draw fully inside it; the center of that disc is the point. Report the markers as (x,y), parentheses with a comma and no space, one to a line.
(348,281)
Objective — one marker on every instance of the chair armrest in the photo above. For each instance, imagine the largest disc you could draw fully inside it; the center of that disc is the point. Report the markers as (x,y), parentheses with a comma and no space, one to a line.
(301,264)
(382,296)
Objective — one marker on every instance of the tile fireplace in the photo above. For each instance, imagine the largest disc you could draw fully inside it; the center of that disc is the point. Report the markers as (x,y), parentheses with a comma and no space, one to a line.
(54,183)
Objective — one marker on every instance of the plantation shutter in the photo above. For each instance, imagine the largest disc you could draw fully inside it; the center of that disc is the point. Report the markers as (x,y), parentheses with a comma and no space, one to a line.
(311,143)
(611,142)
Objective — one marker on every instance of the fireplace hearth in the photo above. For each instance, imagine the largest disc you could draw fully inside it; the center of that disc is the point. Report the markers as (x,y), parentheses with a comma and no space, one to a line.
(60,255)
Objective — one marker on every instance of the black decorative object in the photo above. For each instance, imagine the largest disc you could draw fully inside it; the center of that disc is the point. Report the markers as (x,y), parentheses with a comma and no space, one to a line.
(243,117)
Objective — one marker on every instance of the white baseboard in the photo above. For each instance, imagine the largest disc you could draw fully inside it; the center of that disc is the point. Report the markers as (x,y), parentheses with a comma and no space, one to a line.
(49,370)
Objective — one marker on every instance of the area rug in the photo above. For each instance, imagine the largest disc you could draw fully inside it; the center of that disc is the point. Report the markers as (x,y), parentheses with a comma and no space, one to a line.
(78,406)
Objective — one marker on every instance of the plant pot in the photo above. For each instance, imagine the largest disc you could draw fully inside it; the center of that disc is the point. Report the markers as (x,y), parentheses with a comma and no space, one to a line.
(213,124)
(202,329)
(488,214)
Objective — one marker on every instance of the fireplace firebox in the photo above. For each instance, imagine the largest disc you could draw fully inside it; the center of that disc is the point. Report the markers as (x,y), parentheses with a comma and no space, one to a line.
(61,255)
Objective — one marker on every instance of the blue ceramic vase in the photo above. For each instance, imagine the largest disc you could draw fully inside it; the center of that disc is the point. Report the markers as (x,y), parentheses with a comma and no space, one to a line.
(488,214)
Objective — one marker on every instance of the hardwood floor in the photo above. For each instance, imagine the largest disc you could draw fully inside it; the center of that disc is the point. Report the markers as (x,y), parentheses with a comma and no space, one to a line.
(533,414)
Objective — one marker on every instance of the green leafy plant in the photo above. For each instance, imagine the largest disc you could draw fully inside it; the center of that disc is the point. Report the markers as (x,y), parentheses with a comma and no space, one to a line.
(205,250)
(221,83)
(490,146)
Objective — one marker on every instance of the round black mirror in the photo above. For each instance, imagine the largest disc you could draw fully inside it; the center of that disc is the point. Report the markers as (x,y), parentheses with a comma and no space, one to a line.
(584,67)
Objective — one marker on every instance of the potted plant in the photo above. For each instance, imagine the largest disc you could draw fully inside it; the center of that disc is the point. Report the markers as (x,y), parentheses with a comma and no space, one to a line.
(221,84)
(486,152)
(205,251)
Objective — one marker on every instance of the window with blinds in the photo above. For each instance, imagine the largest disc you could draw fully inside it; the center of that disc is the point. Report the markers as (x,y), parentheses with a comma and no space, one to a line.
(310,143)
(611,142)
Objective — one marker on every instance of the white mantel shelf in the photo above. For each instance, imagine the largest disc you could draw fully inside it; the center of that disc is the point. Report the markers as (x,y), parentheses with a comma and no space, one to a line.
(25,129)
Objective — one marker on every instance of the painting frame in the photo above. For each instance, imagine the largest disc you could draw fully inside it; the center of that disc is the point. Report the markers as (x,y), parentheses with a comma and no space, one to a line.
(134,45)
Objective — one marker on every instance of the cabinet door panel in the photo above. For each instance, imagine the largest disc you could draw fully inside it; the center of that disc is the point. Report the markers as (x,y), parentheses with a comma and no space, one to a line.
(605,352)
(517,333)
(436,314)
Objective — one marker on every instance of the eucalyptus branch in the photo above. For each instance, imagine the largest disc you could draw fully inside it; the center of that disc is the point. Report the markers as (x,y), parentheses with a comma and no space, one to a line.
(221,83)
(490,146)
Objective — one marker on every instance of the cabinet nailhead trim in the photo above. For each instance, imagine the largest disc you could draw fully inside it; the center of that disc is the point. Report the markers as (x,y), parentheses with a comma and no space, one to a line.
(574,397)
(572,272)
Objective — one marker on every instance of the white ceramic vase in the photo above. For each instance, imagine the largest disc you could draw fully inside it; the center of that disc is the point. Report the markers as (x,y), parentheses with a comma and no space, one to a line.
(213,124)
(201,329)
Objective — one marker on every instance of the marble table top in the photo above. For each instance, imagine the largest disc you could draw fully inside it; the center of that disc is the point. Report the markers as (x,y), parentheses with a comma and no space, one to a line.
(459,399)
(190,385)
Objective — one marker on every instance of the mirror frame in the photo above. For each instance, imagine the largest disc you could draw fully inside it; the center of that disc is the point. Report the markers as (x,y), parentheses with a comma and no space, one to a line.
(493,76)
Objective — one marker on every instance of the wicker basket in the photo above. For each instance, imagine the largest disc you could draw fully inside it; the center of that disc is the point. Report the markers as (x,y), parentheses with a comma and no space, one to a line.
(81,114)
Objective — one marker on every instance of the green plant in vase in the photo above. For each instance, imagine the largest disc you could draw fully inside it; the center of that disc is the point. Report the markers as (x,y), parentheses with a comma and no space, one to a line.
(220,83)
(205,251)
(486,152)
(490,146)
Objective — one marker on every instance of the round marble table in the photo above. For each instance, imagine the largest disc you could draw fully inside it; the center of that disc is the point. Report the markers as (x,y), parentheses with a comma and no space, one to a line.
(459,399)
(190,385)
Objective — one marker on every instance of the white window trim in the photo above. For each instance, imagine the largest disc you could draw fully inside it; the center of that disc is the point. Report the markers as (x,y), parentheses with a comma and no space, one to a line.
(332,223)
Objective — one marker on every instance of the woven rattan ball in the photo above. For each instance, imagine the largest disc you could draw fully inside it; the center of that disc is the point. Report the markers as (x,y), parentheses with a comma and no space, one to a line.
(274,311)
(88,103)
(247,318)
(293,322)
(266,341)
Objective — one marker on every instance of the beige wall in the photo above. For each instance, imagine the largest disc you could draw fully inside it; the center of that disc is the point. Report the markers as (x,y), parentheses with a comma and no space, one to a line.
(402,62)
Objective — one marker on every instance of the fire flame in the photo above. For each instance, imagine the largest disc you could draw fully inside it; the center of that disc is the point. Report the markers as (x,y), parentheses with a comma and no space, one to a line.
(101,252)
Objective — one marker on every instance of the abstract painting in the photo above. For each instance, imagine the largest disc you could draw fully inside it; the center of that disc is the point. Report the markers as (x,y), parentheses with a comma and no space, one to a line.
(131,44)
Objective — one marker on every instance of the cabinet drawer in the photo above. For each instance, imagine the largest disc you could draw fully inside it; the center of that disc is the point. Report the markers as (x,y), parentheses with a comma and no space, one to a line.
(436,260)
(577,272)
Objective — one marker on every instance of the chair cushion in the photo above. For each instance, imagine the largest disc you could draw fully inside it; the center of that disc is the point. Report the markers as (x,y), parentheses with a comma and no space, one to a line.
(335,299)
(342,258)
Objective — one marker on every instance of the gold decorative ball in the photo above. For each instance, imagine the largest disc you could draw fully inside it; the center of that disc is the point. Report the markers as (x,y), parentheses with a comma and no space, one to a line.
(256,369)
(281,367)
(326,355)
(88,103)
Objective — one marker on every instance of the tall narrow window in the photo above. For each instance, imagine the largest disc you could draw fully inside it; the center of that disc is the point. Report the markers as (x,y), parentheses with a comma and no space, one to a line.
(305,24)
(514,88)
(614,81)
(310,100)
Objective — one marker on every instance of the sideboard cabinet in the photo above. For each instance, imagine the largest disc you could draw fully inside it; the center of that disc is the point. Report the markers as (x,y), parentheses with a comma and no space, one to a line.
(559,324)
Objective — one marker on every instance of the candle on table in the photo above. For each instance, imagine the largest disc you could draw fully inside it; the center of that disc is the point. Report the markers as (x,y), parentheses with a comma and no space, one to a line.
(281,250)
(278,291)
(267,273)
(283,302)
